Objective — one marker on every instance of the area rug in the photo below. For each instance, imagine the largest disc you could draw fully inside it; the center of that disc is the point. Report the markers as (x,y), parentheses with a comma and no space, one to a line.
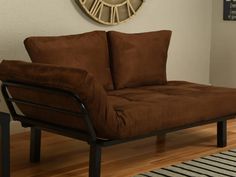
(216,165)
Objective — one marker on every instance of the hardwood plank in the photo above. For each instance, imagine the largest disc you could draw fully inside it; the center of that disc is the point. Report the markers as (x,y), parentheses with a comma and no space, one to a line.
(63,156)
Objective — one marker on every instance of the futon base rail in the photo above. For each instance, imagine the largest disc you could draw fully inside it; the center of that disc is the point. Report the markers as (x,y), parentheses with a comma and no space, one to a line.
(96,144)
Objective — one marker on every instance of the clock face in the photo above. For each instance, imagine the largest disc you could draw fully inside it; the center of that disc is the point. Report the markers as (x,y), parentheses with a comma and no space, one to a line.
(110,12)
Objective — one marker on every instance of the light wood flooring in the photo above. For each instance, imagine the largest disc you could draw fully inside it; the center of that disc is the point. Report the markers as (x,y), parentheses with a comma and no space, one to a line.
(65,157)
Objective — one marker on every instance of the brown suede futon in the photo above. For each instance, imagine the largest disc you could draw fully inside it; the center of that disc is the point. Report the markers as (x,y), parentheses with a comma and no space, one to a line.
(116,81)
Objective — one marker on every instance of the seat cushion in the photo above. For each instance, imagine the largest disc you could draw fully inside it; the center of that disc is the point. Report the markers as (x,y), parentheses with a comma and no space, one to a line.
(151,108)
(139,59)
(88,51)
(115,114)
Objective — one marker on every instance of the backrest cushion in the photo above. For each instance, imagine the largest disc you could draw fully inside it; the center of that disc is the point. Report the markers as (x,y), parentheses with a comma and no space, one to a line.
(88,51)
(139,59)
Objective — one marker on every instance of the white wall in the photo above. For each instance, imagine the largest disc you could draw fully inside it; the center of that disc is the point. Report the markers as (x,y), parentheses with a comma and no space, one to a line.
(190,20)
(223,53)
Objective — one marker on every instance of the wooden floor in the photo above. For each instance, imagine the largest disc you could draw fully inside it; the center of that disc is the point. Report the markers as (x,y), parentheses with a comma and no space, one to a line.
(65,157)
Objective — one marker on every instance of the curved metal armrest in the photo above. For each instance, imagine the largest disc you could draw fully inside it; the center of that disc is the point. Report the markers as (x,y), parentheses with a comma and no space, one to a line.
(83,114)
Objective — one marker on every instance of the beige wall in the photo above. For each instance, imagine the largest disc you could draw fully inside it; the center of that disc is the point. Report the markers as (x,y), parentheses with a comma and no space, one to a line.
(223,53)
(190,20)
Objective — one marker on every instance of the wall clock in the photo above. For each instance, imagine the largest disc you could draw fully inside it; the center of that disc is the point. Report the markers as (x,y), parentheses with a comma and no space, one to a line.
(110,12)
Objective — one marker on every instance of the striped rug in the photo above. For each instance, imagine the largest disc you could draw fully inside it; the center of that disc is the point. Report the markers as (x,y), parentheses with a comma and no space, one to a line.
(217,165)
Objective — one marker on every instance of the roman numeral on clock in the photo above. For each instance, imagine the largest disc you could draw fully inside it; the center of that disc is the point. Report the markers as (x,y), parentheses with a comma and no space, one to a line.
(110,12)
(83,1)
(96,9)
(130,9)
(114,15)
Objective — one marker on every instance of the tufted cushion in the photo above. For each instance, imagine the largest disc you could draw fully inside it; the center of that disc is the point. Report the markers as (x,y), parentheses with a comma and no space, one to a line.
(88,51)
(139,59)
(175,104)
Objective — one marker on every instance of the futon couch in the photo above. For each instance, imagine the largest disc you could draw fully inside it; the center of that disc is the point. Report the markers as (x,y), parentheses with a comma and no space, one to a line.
(107,88)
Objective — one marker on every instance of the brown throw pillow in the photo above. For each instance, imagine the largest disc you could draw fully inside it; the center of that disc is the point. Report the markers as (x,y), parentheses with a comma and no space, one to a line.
(88,51)
(139,59)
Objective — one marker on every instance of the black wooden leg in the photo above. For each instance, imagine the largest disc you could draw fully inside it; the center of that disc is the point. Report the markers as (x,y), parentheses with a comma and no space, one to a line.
(35,145)
(4,145)
(95,161)
(222,133)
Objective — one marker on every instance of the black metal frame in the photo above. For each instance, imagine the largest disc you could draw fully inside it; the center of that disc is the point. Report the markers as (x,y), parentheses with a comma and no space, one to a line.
(4,145)
(35,145)
(89,136)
